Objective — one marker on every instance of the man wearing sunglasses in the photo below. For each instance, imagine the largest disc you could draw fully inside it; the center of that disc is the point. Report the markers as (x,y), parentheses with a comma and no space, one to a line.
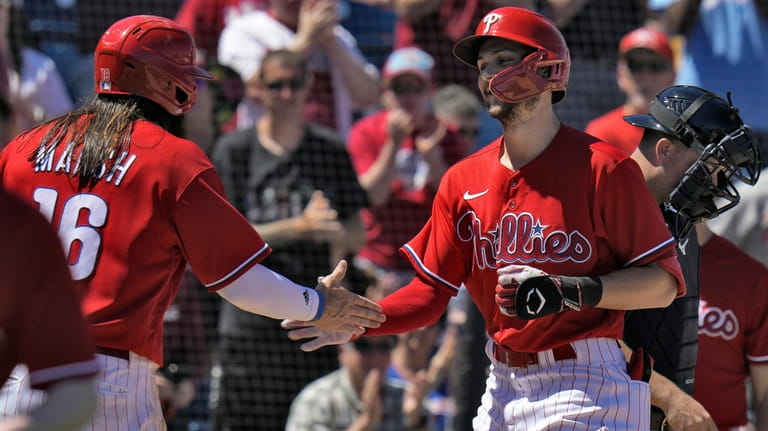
(295,183)
(645,67)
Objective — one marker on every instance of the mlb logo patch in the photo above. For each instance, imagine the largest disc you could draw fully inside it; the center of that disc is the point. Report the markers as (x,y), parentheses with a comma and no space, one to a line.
(105,86)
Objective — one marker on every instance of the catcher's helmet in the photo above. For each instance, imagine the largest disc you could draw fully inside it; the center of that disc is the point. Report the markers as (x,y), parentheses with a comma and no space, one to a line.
(522,80)
(703,120)
(152,57)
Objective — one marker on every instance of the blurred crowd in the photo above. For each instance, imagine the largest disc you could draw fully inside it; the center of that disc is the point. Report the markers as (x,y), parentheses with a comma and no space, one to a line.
(331,123)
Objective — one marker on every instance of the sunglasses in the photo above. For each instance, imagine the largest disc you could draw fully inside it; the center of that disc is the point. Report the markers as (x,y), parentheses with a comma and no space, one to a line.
(636,66)
(364,346)
(293,84)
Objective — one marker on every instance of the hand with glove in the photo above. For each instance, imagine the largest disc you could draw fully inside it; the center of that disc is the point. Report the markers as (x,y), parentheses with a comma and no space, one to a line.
(529,293)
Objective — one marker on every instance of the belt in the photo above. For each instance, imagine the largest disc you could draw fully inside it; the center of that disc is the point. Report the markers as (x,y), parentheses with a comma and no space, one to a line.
(523,359)
(117,353)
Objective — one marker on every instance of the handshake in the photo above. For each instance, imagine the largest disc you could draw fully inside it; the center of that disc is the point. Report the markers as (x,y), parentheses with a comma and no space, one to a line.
(529,293)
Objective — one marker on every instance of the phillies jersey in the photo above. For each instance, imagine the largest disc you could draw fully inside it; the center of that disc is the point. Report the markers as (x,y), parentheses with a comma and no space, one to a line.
(733,329)
(579,208)
(40,320)
(129,237)
(612,129)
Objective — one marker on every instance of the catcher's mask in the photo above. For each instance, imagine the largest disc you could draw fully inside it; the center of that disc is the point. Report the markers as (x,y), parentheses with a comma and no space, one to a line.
(704,121)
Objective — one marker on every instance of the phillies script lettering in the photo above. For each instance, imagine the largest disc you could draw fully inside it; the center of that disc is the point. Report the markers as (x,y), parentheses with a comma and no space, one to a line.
(519,238)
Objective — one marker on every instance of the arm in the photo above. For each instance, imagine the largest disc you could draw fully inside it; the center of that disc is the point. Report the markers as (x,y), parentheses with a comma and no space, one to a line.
(318,222)
(377,180)
(529,293)
(68,405)
(758,373)
(360,77)
(262,291)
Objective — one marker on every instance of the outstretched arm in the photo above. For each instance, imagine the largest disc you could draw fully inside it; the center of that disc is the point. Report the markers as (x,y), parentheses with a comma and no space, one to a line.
(262,291)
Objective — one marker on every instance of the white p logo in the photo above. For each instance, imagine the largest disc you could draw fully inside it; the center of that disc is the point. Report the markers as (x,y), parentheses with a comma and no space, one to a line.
(489,20)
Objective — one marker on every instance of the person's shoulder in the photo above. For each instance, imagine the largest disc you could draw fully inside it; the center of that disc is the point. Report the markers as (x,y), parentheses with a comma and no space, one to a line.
(721,246)
(604,122)
(479,161)
(373,119)
(246,20)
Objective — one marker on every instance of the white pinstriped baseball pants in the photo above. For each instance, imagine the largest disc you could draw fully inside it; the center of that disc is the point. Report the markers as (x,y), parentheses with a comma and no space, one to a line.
(592,392)
(128,398)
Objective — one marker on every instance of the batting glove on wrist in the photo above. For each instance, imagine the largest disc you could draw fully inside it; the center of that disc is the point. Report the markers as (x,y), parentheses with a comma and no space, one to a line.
(530,297)
(509,280)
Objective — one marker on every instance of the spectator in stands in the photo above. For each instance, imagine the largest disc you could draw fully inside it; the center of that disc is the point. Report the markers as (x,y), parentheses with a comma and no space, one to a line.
(295,182)
(725,50)
(206,19)
(593,30)
(36,90)
(359,395)
(733,334)
(746,225)
(644,68)
(343,79)
(400,154)
(427,352)
(460,109)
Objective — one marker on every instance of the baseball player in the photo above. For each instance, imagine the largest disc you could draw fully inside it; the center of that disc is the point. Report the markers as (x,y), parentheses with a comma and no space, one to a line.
(733,333)
(693,148)
(553,233)
(41,325)
(133,204)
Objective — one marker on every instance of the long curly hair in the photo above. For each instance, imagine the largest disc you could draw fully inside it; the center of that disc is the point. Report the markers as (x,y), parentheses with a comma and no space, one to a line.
(97,132)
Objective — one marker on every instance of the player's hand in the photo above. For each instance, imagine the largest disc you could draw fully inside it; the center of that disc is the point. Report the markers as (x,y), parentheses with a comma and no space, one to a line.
(509,280)
(345,311)
(300,330)
(686,414)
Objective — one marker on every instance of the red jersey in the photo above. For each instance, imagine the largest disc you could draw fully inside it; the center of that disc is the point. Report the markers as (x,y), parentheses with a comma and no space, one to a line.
(579,208)
(733,329)
(40,320)
(392,224)
(129,237)
(612,129)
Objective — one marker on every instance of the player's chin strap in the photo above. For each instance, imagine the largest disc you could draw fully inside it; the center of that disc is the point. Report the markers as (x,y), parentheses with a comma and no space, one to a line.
(548,294)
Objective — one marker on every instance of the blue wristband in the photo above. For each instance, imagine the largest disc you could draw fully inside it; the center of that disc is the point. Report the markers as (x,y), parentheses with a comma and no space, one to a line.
(320,305)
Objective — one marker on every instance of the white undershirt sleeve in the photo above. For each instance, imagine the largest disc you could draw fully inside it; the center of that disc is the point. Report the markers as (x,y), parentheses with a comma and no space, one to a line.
(265,292)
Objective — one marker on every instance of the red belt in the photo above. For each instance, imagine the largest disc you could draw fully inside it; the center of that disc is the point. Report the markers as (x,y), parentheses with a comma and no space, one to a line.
(523,359)
(117,353)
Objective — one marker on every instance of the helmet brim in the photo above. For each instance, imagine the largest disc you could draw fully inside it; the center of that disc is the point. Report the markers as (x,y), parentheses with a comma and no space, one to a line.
(199,72)
(646,121)
(467,49)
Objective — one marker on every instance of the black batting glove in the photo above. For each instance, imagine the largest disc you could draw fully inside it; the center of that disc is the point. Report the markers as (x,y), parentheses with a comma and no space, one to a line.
(544,295)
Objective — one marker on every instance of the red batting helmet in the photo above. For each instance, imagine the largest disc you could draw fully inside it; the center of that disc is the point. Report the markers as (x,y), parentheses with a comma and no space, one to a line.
(529,28)
(152,57)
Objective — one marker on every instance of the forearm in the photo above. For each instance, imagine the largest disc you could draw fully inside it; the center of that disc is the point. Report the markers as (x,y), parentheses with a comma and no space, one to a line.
(637,288)
(281,232)
(413,306)
(361,78)
(377,180)
(262,291)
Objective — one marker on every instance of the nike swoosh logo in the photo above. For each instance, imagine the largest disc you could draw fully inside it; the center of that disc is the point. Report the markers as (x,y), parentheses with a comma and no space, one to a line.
(470,196)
